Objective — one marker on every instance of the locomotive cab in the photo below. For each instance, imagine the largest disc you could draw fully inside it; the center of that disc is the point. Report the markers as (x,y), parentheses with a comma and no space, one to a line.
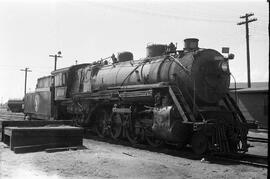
(71,80)
(66,81)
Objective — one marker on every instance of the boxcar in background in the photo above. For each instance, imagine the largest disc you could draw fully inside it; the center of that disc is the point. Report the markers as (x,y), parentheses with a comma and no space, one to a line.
(15,105)
(253,102)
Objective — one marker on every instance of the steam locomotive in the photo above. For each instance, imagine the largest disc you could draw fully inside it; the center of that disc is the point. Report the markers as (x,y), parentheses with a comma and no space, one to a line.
(174,96)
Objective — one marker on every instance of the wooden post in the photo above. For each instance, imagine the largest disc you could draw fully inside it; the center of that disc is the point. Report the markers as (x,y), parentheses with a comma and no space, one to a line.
(247,41)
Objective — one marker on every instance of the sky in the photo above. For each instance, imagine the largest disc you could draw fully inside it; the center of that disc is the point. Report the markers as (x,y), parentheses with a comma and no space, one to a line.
(87,30)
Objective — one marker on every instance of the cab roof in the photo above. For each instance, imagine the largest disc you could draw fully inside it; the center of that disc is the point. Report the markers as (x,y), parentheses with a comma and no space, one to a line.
(61,70)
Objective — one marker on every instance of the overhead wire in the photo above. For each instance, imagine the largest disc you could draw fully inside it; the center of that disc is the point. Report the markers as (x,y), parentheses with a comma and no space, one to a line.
(164,15)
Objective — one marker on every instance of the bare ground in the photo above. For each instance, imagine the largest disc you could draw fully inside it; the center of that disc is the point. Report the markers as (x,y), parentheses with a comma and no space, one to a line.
(103,160)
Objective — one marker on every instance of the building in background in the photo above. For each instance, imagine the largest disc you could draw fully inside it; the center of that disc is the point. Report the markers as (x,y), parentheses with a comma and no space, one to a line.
(253,102)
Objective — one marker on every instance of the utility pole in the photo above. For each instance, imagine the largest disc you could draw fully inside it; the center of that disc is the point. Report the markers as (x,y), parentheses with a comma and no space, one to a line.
(58,55)
(247,20)
(25,77)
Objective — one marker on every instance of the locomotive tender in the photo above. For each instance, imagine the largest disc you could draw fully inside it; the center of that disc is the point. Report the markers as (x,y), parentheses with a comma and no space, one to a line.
(175,96)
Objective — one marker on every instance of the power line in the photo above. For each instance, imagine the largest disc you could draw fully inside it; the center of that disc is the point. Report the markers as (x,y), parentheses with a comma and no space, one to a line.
(258,31)
(25,77)
(247,20)
(58,55)
(33,67)
(164,15)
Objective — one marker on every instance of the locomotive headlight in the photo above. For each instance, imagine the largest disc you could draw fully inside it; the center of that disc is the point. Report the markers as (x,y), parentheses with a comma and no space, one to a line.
(224,66)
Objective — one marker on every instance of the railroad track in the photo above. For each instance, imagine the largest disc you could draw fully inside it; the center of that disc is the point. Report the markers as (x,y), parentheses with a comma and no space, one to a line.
(166,149)
(246,159)
(186,152)
(256,160)
(257,139)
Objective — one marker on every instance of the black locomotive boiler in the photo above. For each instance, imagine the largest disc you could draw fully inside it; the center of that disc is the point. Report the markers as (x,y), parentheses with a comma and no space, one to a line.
(175,96)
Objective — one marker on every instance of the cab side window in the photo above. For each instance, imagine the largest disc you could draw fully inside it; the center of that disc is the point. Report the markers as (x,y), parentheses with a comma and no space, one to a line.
(64,77)
(60,79)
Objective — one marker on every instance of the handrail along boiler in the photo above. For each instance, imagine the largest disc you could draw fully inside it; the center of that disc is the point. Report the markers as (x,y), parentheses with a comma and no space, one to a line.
(175,96)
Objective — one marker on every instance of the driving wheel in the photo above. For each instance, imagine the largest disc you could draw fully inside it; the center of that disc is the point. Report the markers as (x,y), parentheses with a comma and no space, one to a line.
(116,125)
(101,118)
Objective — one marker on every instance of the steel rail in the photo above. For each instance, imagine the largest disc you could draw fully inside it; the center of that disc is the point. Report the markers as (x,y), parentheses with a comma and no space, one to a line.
(246,159)
(257,139)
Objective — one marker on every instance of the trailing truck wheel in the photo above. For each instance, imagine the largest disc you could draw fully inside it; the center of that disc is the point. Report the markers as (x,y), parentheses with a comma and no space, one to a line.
(116,126)
(199,143)
(101,122)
